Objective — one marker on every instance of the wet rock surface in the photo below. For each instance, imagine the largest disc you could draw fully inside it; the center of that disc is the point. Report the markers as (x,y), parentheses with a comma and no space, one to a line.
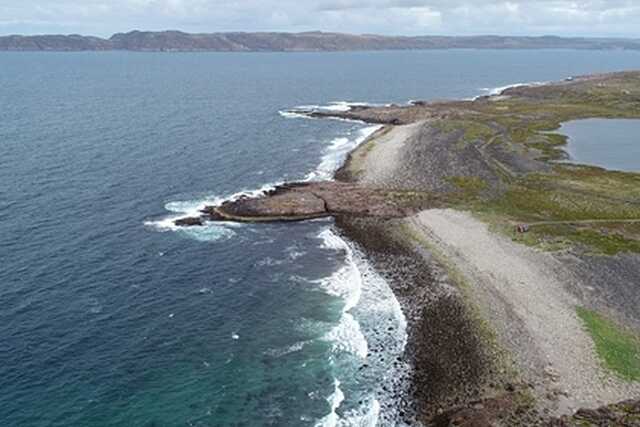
(448,365)
(189,222)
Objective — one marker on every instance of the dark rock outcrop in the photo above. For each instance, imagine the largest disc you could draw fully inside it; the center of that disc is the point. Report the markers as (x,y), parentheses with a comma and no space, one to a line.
(189,222)
(299,201)
(302,201)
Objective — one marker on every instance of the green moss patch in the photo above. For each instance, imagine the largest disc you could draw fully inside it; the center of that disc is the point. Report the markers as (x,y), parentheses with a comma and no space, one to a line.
(469,186)
(594,206)
(605,242)
(618,348)
(594,203)
(471,130)
(550,145)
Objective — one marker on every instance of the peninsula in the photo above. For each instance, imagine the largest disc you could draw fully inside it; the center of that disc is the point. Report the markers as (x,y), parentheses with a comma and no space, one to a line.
(315,41)
(517,270)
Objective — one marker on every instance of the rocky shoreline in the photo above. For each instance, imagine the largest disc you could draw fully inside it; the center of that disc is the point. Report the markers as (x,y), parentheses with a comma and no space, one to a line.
(447,364)
(494,335)
(310,200)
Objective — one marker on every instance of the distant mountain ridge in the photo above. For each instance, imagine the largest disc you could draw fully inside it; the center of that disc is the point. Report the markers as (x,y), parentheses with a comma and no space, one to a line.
(296,42)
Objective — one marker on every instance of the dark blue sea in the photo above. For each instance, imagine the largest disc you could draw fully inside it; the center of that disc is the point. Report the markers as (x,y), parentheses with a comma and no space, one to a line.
(110,316)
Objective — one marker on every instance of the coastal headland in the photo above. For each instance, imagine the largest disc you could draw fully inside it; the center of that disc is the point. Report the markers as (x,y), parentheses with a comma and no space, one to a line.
(517,270)
(310,41)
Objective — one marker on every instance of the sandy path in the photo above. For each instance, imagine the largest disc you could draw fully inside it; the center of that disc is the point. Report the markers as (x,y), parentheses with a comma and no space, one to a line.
(382,161)
(523,294)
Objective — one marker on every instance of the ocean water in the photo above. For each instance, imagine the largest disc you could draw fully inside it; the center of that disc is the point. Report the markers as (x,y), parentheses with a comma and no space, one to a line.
(608,143)
(110,316)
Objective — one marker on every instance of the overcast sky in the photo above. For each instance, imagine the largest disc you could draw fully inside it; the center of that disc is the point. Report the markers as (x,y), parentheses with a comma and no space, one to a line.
(410,17)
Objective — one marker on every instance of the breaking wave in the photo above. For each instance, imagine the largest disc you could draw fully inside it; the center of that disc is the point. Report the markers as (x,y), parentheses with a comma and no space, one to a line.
(302,111)
(333,158)
(495,91)
(337,152)
(192,208)
(369,304)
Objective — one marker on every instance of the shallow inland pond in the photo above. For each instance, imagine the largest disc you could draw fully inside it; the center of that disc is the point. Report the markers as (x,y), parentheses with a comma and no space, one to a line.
(608,143)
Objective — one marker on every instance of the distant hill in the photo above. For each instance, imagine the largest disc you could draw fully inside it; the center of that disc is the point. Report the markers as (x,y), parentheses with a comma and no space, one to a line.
(295,42)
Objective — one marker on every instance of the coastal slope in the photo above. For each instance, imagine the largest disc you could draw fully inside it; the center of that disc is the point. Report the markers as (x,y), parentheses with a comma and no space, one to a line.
(517,270)
(522,291)
(292,42)
(526,295)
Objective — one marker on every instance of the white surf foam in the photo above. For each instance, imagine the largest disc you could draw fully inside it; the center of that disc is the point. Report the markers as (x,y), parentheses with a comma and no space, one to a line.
(336,399)
(336,153)
(279,352)
(337,106)
(348,337)
(192,208)
(302,111)
(369,418)
(208,232)
(495,91)
(290,114)
(348,105)
(347,281)
(367,298)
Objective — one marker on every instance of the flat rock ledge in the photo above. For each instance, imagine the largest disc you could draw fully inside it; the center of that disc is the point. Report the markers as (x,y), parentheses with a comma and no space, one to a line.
(309,200)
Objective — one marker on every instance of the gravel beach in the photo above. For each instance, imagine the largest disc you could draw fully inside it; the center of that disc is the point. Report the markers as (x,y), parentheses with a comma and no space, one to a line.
(521,297)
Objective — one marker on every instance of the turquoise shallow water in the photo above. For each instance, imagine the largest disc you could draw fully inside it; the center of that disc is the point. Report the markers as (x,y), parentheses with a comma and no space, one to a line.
(110,318)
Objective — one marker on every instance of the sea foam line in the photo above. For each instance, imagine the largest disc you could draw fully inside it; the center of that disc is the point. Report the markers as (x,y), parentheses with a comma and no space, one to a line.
(193,208)
(362,290)
(496,91)
(333,157)
(302,111)
(336,153)
(352,419)
(346,283)
(335,400)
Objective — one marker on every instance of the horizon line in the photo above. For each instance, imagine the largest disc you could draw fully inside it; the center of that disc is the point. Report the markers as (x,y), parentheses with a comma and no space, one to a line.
(107,37)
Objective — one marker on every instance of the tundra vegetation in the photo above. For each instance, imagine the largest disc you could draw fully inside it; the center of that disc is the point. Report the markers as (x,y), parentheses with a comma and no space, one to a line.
(496,161)
(502,158)
(565,204)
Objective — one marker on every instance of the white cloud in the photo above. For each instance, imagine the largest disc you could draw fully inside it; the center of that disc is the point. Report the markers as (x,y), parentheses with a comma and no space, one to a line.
(103,17)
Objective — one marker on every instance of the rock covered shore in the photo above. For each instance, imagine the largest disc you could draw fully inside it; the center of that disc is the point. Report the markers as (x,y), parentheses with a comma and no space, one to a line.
(308,200)
(494,338)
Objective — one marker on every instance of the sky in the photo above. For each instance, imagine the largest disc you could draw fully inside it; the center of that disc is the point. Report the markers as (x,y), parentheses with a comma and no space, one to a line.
(617,18)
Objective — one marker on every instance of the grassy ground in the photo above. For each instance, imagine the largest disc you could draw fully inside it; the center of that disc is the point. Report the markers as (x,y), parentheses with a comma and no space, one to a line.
(506,150)
(564,192)
(619,349)
(572,193)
